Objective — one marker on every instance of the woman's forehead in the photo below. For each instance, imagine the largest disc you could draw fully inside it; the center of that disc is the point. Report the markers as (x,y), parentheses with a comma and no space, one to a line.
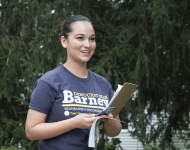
(82,26)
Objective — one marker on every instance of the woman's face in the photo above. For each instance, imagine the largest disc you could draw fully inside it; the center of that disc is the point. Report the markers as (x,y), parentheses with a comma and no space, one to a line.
(81,42)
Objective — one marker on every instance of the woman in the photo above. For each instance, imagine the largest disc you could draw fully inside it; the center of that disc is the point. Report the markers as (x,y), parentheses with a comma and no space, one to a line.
(65,100)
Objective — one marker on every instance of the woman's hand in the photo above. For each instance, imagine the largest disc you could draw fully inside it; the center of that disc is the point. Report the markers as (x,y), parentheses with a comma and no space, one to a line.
(83,121)
(112,127)
(108,121)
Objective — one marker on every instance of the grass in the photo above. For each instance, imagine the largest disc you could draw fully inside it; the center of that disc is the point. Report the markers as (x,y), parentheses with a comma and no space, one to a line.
(9,148)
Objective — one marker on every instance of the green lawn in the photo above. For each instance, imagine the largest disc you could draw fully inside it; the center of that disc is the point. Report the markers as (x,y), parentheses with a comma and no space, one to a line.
(10,148)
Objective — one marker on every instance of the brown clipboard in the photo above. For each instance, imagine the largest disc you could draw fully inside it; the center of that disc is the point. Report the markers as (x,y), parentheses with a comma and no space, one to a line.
(121,98)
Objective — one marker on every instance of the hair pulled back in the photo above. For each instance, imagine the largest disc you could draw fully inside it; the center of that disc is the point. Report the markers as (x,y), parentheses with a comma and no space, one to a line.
(65,27)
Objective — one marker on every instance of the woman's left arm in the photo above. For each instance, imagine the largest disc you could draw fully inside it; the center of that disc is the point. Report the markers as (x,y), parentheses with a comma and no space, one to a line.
(112,127)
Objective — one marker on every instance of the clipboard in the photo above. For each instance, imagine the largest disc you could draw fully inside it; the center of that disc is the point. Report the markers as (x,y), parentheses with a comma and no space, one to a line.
(120,99)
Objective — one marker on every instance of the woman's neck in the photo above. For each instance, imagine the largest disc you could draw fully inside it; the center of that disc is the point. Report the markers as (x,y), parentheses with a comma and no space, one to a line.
(78,70)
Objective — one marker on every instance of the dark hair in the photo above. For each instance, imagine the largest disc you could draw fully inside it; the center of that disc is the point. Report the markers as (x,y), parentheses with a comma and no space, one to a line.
(65,27)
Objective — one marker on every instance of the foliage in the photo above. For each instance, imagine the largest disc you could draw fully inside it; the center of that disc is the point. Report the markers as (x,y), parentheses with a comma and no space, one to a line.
(114,144)
(143,42)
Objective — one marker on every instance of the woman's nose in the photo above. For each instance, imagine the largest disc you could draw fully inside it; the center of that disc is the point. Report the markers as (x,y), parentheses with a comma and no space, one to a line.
(86,43)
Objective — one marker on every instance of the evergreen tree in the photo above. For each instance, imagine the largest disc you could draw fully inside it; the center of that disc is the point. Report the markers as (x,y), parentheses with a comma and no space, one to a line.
(157,34)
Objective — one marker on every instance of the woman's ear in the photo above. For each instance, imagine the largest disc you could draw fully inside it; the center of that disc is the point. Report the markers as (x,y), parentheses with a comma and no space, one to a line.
(63,41)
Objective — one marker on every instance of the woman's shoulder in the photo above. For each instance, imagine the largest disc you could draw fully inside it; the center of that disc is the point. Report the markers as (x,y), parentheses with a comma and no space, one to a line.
(98,77)
(52,75)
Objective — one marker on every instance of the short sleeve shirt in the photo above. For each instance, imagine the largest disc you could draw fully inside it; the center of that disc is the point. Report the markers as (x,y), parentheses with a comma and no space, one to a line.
(62,95)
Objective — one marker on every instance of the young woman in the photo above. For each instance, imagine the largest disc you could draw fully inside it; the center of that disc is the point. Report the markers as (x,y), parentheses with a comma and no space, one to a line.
(65,100)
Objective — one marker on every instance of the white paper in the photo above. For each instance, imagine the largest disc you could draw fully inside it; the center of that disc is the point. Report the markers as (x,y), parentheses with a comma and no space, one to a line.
(92,136)
(114,95)
(119,87)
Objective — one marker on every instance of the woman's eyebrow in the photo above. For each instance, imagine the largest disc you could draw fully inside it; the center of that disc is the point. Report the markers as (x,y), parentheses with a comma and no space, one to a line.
(79,34)
(83,34)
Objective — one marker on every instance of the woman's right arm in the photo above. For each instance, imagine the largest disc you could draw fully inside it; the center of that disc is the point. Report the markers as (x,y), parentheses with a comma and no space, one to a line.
(37,129)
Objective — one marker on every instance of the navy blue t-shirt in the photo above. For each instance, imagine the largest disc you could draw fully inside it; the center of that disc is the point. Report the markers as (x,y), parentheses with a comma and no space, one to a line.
(62,95)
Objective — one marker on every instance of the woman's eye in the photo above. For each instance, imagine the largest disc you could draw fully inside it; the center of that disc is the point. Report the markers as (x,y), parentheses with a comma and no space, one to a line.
(92,39)
(79,38)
